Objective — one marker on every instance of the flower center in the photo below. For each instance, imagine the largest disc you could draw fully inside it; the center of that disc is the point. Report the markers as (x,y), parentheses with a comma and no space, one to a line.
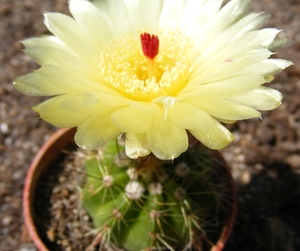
(144,66)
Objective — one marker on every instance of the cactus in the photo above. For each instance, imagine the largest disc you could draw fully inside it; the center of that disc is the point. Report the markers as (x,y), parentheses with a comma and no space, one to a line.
(150,204)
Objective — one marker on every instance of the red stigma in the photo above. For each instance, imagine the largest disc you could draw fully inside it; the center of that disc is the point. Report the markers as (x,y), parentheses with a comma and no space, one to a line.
(150,45)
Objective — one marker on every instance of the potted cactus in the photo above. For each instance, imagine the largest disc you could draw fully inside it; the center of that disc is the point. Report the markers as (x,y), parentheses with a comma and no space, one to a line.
(145,204)
(156,80)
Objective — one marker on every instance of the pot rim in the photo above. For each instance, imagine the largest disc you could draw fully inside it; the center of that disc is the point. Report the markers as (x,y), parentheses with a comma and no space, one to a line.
(31,177)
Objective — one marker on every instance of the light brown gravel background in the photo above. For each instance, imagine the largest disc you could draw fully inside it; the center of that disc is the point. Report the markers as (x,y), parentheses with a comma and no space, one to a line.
(259,146)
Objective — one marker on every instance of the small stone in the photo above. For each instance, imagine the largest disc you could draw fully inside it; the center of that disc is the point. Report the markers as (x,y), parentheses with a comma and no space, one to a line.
(245,177)
(4,128)
(27,247)
(293,160)
(265,135)
(51,234)
(7,220)
(17,175)
(289,146)
(65,192)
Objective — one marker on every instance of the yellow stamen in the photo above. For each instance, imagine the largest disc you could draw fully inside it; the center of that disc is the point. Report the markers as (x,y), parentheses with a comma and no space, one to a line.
(146,73)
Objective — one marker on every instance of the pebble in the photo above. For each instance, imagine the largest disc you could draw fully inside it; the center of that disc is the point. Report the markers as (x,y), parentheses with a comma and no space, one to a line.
(245,177)
(27,247)
(294,160)
(17,175)
(4,128)
(7,220)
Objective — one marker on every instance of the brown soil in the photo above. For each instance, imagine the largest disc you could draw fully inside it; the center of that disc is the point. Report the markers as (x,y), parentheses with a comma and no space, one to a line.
(265,156)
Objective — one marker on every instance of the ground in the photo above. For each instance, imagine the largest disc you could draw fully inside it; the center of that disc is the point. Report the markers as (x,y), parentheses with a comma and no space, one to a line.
(264,157)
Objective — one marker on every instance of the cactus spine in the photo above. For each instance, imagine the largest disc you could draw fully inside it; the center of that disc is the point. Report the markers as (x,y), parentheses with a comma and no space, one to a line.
(150,204)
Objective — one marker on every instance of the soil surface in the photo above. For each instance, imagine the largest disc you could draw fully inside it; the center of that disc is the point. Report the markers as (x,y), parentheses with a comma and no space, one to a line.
(264,157)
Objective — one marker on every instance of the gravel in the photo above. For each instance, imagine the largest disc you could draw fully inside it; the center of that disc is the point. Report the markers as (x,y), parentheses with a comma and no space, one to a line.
(265,153)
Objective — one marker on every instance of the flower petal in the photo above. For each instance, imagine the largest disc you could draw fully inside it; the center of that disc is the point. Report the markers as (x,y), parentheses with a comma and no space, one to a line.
(150,108)
(131,120)
(139,13)
(217,137)
(206,129)
(197,15)
(95,132)
(191,19)
(115,14)
(227,87)
(46,50)
(61,117)
(224,109)
(171,14)
(231,13)
(53,80)
(190,117)
(267,67)
(89,18)
(136,145)
(166,140)
(265,99)
(72,35)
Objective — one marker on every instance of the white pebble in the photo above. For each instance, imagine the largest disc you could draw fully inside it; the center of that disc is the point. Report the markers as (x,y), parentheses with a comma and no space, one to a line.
(4,128)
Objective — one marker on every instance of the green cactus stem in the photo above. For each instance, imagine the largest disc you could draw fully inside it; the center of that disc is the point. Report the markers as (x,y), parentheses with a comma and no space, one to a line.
(150,204)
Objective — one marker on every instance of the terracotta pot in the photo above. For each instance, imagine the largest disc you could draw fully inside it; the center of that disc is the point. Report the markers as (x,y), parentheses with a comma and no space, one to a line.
(63,139)
(50,151)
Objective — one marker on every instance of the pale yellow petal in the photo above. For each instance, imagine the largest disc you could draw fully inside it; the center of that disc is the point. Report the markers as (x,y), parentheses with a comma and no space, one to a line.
(171,14)
(115,14)
(52,111)
(95,132)
(150,108)
(52,80)
(49,50)
(63,76)
(231,36)
(131,120)
(217,137)
(34,85)
(90,20)
(268,67)
(166,140)
(190,117)
(277,44)
(226,87)
(46,49)
(262,98)
(197,17)
(223,108)
(136,145)
(143,14)
(72,35)
(230,14)
(230,48)
(205,128)
(71,110)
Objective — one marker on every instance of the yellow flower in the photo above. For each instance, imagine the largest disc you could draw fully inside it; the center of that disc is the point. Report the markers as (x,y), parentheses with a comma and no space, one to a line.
(153,71)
